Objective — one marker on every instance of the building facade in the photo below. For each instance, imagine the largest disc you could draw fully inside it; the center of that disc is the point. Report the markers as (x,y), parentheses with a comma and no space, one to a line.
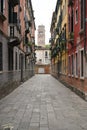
(59,30)
(42,56)
(41,36)
(42,53)
(70,50)
(17,40)
(42,60)
(77,45)
(3,35)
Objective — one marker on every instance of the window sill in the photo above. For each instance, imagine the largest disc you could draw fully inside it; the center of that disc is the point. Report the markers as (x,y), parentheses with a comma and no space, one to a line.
(76,77)
(82,78)
(72,76)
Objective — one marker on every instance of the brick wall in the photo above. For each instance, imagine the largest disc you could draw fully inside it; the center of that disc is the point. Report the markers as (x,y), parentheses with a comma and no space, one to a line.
(45,67)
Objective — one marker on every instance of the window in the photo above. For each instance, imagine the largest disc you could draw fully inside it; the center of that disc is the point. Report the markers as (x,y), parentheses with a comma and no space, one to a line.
(16,61)
(69,22)
(82,14)
(63,66)
(76,64)
(46,54)
(65,6)
(72,64)
(0,56)
(19,61)
(63,12)
(76,15)
(82,63)
(10,13)
(2,10)
(12,31)
(72,21)
(69,64)
(10,58)
(2,5)
(40,60)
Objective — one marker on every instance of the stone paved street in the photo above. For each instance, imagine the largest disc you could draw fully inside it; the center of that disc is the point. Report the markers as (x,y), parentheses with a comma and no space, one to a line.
(43,103)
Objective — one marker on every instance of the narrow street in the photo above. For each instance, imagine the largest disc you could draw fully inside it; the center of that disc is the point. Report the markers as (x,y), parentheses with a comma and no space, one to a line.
(43,103)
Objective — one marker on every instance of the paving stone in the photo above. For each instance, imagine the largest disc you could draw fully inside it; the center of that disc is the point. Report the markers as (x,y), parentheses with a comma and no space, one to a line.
(43,103)
(34,124)
(44,128)
(34,128)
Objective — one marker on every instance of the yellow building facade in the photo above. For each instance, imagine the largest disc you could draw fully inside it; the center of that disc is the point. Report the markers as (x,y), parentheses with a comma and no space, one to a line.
(64,8)
(59,31)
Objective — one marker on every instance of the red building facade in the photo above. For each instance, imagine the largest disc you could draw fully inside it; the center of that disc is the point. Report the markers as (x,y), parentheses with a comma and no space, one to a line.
(77,45)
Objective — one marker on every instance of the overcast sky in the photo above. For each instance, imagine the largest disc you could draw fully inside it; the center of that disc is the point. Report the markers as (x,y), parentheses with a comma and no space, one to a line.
(43,10)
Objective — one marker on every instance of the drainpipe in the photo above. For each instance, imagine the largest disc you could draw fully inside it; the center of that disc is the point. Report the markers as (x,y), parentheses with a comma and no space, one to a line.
(85,27)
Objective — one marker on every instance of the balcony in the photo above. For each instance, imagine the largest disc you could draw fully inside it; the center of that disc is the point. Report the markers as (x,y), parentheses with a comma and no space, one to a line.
(70,2)
(14,35)
(14,2)
(71,37)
